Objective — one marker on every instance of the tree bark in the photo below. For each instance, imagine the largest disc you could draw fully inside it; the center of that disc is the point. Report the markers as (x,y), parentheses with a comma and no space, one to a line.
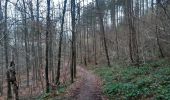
(47,46)
(157,29)
(60,43)
(9,93)
(73,43)
(103,33)
(26,40)
(133,46)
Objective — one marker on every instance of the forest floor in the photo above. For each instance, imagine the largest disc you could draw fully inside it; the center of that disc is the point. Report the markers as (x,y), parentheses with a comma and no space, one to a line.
(149,81)
(25,92)
(87,87)
(36,85)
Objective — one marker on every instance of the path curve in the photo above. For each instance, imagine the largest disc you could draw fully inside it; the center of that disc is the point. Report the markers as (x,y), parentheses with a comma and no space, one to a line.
(88,86)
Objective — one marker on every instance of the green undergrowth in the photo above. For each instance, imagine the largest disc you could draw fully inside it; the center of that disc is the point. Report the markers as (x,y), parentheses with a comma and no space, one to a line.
(150,81)
(54,95)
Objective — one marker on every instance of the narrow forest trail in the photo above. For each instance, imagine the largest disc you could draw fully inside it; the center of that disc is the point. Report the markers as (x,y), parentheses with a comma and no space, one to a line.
(87,87)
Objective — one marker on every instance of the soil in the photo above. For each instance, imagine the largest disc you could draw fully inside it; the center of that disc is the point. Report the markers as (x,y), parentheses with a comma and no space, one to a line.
(87,86)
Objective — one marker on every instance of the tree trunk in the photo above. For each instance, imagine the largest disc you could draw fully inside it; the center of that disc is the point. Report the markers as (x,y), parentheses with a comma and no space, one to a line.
(133,46)
(116,33)
(47,46)
(9,93)
(157,29)
(73,43)
(26,40)
(60,43)
(103,33)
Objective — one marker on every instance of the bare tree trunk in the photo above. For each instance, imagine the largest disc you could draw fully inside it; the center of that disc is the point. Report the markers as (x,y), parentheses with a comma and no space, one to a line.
(80,32)
(33,50)
(51,53)
(39,38)
(133,46)
(60,44)
(47,46)
(2,54)
(87,40)
(116,37)
(95,44)
(143,6)
(152,5)
(147,5)
(103,33)
(73,43)
(2,73)
(9,93)
(85,47)
(26,40)
(16,49)
(157,29)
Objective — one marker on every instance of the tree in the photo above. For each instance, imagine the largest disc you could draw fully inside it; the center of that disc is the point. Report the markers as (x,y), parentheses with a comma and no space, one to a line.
(2,54)
(1,13)
(26,40)
(47,45)
(73,42)
(114,26)
(33,50)
(103,32)
(6,44)
(60,43)
(133,46)
(39,36)
(158,3)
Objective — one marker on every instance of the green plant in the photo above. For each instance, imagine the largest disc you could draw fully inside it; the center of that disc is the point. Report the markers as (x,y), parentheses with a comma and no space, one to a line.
(150,80)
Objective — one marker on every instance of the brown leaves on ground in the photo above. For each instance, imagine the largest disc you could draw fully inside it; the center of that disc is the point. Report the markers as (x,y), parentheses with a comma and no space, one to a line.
(86,87)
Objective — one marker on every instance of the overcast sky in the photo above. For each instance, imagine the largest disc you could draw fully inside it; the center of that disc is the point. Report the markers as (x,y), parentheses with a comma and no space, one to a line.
(42,4)
(11,9)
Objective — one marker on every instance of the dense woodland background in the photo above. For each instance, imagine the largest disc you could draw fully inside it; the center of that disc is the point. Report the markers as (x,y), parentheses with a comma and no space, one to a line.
(42,36)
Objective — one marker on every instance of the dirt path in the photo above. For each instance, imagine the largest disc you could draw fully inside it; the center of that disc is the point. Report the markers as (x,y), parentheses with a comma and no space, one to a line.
(87,87)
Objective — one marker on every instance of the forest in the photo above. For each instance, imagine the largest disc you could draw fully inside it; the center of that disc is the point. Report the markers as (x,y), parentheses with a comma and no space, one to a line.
(84,50)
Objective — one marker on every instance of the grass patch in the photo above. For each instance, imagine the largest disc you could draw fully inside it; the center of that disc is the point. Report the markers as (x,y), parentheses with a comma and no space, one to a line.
(149,81)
